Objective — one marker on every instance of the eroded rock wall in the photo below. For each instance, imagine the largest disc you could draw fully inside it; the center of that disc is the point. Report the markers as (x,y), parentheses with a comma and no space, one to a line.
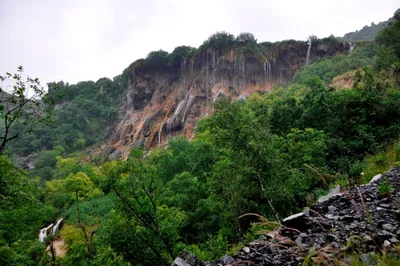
(165,102)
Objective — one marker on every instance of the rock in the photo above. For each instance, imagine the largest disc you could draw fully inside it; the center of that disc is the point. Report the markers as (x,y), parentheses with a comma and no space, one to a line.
(367,238)
(293,217)
(333,192)
(375,178)
(366,259)
(179,262)
(339,223)
(227,259)
(385,234)
(185,259)
(331,208)
(388,227)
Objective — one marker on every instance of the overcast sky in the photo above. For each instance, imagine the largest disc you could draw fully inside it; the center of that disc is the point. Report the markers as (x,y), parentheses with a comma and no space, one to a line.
(86,40)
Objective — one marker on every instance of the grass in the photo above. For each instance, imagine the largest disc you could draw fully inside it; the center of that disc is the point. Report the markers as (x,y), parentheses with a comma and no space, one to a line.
(381,162)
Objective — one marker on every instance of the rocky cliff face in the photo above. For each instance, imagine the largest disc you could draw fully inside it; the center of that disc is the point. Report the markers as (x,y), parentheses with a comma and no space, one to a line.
(345,227)
(164,102)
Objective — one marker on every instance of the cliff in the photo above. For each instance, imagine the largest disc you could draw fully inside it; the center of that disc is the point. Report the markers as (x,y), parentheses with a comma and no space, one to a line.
(163,102)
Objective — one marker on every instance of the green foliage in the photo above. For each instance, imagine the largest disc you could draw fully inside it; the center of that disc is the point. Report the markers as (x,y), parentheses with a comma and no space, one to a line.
(271,154)
(381,162)
(384,188)
(179,54)
(219,40)
(18,107)
(328,68)
(157,59)
(245,38)
(389,49)
(21,216)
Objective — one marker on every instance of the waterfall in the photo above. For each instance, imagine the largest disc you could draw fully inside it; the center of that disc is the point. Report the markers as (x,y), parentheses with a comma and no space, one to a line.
(352,45)
(308,52)
(57,226)
(213,59)
(274,70)
(43,233)
(269,70)
(160,134)
(188,103)
(178,109)
(265,71)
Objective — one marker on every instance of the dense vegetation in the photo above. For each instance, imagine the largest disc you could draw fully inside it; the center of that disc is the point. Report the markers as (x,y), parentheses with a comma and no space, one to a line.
(272,154)
(82,114)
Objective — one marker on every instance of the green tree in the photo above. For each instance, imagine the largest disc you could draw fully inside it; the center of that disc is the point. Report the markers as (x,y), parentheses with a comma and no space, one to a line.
(20,101)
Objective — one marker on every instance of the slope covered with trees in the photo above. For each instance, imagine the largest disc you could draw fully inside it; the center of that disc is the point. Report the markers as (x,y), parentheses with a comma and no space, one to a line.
(271,154)
(367,33)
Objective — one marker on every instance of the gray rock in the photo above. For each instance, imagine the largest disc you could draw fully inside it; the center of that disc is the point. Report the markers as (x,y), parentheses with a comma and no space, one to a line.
(388,227)
(375,178)
(298,241)
(385,234)
(367,238)
(333,192)
(180,262)
(293,217)
(394,240)
(227,259)
(386,244)
(331,208)
(365,258)
(246,249)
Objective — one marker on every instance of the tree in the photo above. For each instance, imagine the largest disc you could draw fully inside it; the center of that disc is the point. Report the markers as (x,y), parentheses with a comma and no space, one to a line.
(179,53)
(157,59)
(21,100)
(245,38)
(81,183)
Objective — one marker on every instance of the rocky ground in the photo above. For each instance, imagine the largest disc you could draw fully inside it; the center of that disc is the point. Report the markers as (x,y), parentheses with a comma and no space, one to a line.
(353,225)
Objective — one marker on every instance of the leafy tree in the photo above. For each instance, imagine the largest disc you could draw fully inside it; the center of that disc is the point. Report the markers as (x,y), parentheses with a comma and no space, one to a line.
(389,40)
(175,58)
(157,59)
(81,183)
(22,102)
(219,41)
(245,38)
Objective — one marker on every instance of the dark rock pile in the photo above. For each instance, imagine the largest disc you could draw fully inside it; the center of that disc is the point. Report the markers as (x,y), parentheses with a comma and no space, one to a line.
(359,221)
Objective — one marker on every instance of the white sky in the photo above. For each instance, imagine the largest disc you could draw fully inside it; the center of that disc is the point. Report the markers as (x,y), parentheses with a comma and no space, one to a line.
(85,40)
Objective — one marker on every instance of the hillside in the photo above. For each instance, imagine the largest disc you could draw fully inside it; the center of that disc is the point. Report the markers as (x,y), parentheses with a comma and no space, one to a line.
(205,151)
(367,33)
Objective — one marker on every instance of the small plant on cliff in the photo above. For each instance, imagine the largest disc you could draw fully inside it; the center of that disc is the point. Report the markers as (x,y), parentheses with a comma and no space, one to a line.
(384,188)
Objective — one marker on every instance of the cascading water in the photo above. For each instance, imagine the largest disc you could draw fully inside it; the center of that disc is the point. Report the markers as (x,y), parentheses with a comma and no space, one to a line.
(178,109)
(269,70)
(188,104)
(57,226)
(43,233)
(213,62)
(308,52)
(160,134)
(352,45)
(273,70)
(54,229)
(265,71)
